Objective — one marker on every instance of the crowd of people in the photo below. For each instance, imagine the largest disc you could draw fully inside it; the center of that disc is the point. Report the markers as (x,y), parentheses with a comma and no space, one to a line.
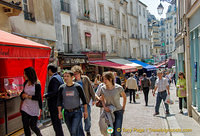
(71,97)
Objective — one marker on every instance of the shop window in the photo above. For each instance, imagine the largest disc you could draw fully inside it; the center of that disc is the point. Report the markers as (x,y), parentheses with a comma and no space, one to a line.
(11,87)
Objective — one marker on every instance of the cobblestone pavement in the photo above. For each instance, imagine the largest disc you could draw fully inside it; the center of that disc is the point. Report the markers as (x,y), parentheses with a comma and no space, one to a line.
(138,120)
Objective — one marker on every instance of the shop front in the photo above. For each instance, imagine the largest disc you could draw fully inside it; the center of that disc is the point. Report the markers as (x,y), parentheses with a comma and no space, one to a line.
(16,54)
(67,61)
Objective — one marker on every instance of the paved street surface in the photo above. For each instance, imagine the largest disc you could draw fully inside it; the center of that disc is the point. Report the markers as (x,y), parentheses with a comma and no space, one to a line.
(139,120)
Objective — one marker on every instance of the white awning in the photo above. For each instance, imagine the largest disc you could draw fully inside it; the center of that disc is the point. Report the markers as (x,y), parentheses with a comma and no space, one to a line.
(126,62)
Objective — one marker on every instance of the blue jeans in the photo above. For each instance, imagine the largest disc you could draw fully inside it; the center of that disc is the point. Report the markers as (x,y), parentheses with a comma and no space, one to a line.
(118,123)
(161,96)
(73,120)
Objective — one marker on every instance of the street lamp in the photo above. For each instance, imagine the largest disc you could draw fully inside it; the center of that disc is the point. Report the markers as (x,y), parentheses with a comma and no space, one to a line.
(160,9)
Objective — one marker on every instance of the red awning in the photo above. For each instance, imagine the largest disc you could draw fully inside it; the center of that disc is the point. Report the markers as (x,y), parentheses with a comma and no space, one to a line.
(87,34)
(17,53)
(11,39)
(160,64)
(12,46)
(124,68)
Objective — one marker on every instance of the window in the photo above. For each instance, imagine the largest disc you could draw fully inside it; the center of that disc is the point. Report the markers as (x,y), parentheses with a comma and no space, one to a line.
(118,19)
(145,31)
(134,53)
(110,16)
(103,42)
(123,22)
(139,10)
(101,13)
(140,30)
(131,7)
(144,12)
(87,42)
(85,4)
(67,38)
(112,44)
(28,10)
(25,5)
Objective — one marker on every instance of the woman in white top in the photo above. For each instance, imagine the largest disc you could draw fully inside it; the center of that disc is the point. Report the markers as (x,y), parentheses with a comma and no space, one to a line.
(31,102)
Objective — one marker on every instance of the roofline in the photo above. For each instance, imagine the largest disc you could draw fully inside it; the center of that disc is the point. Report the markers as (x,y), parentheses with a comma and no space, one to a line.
(142,3)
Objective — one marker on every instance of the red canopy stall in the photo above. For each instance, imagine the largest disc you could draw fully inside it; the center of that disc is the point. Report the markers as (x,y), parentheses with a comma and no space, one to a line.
(16,54)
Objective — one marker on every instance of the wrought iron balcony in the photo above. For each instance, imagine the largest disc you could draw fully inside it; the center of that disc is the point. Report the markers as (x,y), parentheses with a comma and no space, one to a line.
(29,16)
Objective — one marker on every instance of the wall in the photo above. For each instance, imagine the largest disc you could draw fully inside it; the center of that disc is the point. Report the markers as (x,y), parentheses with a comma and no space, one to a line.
(43,27)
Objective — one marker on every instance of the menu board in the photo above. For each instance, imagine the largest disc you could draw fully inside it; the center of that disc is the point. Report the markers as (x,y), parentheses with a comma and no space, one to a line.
(12,87)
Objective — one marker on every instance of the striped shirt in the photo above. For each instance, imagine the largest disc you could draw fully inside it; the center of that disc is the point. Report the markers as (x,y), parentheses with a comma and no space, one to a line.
(162,84)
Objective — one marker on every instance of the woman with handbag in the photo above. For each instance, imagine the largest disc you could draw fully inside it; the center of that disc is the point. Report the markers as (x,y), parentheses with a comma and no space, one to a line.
(181,90)
(31,102)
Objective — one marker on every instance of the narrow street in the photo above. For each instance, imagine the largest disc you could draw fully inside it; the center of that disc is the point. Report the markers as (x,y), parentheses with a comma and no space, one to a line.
(139,120)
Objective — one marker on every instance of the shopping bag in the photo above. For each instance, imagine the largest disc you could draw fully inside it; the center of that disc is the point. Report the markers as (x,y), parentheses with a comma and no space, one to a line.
(168,100)
(137,96)
(182,92)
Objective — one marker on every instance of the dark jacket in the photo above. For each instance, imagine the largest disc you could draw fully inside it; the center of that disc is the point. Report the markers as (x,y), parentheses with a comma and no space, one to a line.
(145,83)
(54,84)
(37,96)
(118,80)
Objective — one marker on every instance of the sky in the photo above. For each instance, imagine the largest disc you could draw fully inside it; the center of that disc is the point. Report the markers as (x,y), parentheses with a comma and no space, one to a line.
(152,7)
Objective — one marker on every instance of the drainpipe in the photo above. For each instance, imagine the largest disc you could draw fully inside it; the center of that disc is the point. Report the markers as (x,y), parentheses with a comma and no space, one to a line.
(188,73)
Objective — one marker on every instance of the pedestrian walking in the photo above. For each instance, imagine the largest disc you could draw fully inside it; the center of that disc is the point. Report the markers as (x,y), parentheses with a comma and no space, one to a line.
(97,81)
(31,102)
(145,84)
(137,79)
(162,86)
(52,96)
(117,79)
(174,77)
(132,86)
(153,79)
(181,88)
(85,82)
(69,97)
(110,94)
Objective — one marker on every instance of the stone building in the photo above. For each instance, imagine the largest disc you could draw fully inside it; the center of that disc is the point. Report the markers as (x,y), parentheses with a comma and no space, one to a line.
(143,31)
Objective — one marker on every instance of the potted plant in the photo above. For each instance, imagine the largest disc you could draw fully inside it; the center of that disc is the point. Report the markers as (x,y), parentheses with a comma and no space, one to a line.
(88,14)
(85,14)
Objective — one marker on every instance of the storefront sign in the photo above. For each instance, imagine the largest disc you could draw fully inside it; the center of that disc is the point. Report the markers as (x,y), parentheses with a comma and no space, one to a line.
(4,52)
(74,61)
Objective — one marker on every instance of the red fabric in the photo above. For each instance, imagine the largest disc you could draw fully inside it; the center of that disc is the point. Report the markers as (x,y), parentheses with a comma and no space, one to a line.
(105,63)
(163,63)
(17,52)
(15,68)
(10,39)
(87,34)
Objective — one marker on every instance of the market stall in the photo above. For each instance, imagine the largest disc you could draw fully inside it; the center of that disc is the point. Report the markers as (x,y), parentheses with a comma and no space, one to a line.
(17,53)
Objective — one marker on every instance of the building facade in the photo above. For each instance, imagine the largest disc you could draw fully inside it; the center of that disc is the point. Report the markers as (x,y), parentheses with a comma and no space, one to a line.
(170,30)
(187,50)
(144,42)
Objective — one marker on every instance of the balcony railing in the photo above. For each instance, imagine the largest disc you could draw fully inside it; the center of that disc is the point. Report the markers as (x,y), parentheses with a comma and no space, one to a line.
(67,47)
(29,16)
(65,6)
